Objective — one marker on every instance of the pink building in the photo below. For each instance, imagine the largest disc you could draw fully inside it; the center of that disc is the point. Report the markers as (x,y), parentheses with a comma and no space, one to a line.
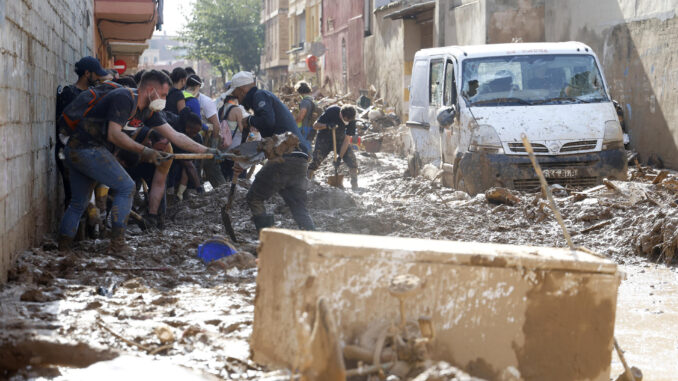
(343,30)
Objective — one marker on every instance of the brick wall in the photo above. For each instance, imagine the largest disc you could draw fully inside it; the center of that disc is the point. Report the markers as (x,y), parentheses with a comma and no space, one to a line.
(40,40)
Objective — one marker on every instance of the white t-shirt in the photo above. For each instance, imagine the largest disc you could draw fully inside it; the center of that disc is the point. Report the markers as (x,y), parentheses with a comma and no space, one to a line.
(208,107)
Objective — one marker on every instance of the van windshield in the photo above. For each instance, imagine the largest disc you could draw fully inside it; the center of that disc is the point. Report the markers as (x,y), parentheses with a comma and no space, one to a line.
(532,80)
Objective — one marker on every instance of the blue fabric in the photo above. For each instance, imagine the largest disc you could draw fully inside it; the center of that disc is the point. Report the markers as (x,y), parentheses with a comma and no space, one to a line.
(271,116)
(88,166)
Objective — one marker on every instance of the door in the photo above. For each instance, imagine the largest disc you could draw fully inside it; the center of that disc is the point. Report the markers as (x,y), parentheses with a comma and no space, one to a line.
(436,87)
(450,135)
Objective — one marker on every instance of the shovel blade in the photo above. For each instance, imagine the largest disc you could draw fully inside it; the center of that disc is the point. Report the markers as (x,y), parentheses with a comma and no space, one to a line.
(226,220)
(336,181)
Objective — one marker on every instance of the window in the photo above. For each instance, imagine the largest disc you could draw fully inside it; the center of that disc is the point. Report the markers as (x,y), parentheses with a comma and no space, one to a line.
(301,29)
(367,17)
(532,80)
(450,94)
(418,90)
(436,82)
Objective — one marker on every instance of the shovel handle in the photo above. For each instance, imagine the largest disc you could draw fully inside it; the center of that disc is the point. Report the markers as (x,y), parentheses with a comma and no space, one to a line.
(192,156)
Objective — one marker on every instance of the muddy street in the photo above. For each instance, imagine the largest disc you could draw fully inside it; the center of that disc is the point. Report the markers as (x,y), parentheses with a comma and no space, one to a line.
(164,303)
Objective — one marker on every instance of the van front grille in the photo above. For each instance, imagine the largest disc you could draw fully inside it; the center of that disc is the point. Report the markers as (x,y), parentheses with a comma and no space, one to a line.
(582,145)
(560,164)
(533,184)
(536,147)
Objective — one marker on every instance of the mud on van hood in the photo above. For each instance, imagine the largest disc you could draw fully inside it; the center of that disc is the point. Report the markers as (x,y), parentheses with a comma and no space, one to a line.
(552,129)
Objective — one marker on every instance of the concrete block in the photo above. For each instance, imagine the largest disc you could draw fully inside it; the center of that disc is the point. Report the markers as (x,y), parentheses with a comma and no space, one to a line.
(544,311)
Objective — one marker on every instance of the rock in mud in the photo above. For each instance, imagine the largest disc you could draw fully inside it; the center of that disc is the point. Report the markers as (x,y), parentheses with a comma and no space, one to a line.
(164,334)
(443,371)
(34,295)
(431,172)
(501,196)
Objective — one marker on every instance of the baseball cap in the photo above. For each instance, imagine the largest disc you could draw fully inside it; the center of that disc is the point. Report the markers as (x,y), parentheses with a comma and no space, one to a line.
(91,64)
(240,79)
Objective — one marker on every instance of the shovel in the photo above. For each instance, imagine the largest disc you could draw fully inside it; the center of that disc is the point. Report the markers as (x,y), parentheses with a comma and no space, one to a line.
(337,180)
(225,217)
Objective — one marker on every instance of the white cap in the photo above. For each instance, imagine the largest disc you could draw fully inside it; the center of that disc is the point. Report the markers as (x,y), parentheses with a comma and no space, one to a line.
(240,79)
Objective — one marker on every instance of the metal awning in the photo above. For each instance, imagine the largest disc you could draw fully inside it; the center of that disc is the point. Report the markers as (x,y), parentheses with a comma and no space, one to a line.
(120,48)
(412,11)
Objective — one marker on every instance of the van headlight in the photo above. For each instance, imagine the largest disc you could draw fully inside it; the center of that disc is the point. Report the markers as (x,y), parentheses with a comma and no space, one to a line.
(484,138)
(614,137)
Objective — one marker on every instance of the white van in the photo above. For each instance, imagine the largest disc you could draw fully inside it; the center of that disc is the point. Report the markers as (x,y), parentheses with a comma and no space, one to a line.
(469,106)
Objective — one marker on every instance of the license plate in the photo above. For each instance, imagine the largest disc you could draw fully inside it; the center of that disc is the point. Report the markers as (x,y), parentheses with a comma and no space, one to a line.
(560,173)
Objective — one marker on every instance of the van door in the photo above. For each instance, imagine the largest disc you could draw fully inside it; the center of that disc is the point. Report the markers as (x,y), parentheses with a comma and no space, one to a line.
(450,136)
(425,136)
(435,91)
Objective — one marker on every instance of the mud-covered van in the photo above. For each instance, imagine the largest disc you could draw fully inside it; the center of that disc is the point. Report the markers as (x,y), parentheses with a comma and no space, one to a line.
(469,106)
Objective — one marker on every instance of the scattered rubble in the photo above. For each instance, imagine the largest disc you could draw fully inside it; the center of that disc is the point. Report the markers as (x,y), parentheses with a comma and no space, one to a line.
(164,282)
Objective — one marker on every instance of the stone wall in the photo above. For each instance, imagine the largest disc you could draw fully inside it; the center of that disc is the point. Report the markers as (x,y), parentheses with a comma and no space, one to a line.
(636,43)
(384,59)
(40,40)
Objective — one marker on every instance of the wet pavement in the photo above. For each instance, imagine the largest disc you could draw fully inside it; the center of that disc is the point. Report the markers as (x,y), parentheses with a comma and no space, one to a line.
(89,297)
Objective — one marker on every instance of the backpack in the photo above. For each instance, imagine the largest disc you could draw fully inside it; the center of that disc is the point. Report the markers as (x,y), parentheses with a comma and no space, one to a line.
(316,111)
(78,109)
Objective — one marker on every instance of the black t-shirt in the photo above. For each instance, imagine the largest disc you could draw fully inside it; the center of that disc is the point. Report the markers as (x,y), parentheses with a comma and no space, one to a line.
(119,106)
(332,117)
(173,97)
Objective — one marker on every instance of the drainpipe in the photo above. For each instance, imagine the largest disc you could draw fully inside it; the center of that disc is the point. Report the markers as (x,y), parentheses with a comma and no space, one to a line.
(441,10)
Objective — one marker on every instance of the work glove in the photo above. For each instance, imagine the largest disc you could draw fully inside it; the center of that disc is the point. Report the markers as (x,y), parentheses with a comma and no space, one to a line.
(150,155)
(217,154)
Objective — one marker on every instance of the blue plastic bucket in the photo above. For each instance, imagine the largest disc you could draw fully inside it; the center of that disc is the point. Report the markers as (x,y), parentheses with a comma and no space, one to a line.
(214,249)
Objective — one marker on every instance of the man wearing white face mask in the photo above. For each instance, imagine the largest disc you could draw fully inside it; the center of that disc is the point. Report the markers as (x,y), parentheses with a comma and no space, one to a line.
(88,155)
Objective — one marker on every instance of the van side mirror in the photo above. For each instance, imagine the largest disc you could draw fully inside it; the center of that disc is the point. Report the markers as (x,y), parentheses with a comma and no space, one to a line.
(445,115)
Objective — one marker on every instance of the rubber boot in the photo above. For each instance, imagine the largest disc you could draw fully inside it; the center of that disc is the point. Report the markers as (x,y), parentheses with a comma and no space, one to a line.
(118,246)
(263,221)
(153,221)
(354,178)
(64,243)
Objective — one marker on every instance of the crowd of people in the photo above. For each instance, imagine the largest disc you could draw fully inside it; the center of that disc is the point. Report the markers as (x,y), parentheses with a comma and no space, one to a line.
(117,136)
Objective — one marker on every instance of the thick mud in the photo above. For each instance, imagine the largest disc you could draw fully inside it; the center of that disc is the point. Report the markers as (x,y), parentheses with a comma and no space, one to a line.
(162,302)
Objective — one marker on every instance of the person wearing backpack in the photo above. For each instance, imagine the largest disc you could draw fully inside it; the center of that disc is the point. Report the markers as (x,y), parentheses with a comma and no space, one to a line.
(233,133)
(89,72)
(93,123)
(308,112)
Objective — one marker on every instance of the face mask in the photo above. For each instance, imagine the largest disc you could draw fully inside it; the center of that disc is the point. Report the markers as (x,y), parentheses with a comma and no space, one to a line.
(157,104)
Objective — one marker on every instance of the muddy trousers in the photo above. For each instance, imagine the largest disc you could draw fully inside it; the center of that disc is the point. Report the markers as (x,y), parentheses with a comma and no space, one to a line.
(88,166)
(287,179)
(324,148)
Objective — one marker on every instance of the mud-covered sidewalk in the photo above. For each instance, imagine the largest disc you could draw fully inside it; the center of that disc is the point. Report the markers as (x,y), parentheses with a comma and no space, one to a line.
(163,302)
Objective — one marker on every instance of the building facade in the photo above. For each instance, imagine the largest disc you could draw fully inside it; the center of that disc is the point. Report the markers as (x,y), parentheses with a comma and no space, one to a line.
(304,20)
(274,61)
(343,31)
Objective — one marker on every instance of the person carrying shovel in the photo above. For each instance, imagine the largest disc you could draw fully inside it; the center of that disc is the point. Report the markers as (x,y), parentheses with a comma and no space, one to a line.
(287,176)
(335,128)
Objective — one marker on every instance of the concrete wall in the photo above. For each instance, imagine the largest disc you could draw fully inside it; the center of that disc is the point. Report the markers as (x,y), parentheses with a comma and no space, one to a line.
(40,40)
(464,20)
(384,59)
(636,42)
(515,20)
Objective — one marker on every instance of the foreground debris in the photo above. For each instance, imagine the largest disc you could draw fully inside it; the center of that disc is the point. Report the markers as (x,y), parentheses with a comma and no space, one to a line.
(209,308)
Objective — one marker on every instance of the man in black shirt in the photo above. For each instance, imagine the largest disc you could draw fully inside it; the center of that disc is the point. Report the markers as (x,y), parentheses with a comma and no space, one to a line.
(342,121)
(175,99)
(89,160)
(89,72)
(287,178)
